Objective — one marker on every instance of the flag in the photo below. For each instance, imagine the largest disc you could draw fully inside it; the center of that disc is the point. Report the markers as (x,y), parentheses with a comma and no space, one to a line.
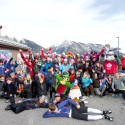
(70,54)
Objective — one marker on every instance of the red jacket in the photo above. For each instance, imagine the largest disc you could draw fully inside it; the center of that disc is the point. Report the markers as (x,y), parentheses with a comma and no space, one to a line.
(62,59)
(21,53)
(123,62)
(30,68)
(110,67)
(71,78)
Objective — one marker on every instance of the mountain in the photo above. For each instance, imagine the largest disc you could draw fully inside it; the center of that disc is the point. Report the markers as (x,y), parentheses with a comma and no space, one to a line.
(65,46)
(78,47)
(34,46)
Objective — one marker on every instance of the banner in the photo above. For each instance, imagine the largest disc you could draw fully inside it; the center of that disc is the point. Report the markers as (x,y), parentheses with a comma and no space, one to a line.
(4,55)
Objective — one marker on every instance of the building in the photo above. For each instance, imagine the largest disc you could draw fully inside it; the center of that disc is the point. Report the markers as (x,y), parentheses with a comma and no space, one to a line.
(10,48)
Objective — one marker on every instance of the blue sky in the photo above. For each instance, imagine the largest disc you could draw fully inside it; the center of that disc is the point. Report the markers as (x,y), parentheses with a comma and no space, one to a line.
(49,22)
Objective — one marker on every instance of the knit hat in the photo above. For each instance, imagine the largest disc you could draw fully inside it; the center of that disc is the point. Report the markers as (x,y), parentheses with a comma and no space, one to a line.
(63,53)
(57,95)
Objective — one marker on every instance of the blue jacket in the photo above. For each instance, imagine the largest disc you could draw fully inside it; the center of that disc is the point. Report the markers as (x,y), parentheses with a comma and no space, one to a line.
(47,65)
(62,110)
(12,67)
(104,81)
(62,67)
(3,66)
(46,75)
(86,82)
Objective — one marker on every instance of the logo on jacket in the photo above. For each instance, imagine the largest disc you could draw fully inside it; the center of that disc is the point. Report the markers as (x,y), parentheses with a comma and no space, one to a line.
(109,65)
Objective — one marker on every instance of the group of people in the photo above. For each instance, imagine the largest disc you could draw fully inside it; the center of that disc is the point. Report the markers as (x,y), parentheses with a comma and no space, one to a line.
(59,82)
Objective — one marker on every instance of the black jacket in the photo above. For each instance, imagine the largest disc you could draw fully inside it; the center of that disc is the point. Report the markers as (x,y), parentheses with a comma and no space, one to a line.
(10,88)
(41,88)
(2,84)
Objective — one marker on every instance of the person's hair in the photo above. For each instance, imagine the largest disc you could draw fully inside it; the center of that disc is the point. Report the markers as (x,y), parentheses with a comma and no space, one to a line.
(100,66)
(72,70)
(12,74)
(117,73)
(52,107)
(49,67)
(65,73)
(2,76)
(95,75)
(9,78)
(25,81)
(86,73)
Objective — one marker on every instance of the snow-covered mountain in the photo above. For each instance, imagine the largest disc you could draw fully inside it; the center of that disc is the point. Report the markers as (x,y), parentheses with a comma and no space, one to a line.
(34,46)
(66,46)
(78,47)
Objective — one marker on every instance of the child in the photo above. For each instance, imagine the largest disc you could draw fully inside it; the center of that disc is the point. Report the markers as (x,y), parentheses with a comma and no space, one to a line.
(76,111)
(50,76)
(118,85)
(3,66)
(72,75)
(27,91)
(75,92)
(14,79)
(102,87)
(28,104)
(86,84)
(96,84)
(9,90)
(109,84)
(41,85)
(20,83)
(12,67)
(2,84)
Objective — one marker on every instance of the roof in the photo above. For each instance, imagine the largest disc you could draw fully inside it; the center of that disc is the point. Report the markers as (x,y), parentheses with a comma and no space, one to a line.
(8,42)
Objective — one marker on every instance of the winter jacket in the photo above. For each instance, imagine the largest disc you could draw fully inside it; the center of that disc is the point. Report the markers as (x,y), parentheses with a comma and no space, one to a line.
(77,65)
(62,110)
(3,66)
(29,67)
(96,83)
(10,88)
(62,67)
(71,77)
(37,65)
(41,88)
(47,75)
(47,65)
(2,85)
(32,103)
(12,67)
(86,82)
